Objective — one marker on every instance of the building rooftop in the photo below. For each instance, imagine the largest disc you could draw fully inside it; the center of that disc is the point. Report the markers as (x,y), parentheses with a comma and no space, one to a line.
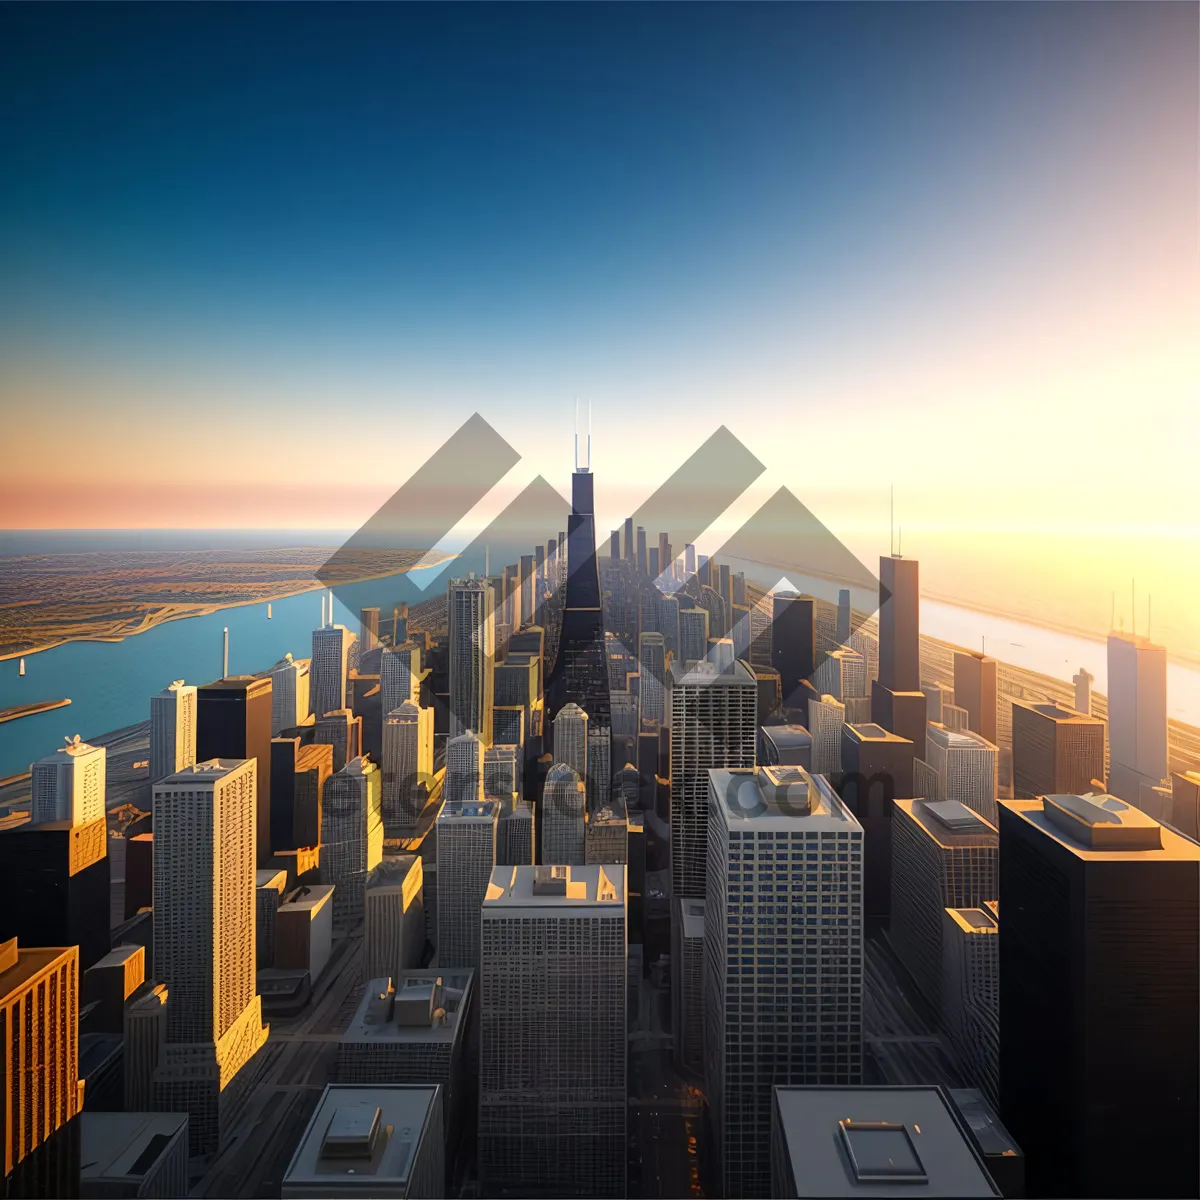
(957,739)
(309,897)
(691,918)
(121,1148)
(788,737)
(210,771)
(237,683)
(469,810)
(991,1137)
(974,920)
(705,675)
(871,732)
(777,797)
(74,747)
(414,1006)
(948,822)
(20,964)
(592,889)
(392,871)
(1057,712)
(878,1141)
(371,1133)
(1103,827)
(270,877)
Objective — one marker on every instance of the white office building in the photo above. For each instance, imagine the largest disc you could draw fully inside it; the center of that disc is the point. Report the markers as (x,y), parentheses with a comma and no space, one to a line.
(472,638)
(204,939)
(464,769)
(69,785)
(466,856)
(328,669)
(713,725)
(351,836)
(173,730)
(826,717)
(783,955)
(571,738)
(289,693)
(407,761)
(552,1090)
(967,766)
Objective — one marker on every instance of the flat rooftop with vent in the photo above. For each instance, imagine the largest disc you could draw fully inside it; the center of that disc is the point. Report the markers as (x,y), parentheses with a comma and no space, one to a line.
(591,888)
(771,797)
(370,1141)
(872,1142)
(949,822)
(414,1006)
(1099,826)
(133,1153)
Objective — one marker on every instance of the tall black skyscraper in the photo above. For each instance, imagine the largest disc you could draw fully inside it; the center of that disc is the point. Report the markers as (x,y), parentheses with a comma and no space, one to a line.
(233,721)
(897,702)
(1099,991)
(580,673)
(793,640)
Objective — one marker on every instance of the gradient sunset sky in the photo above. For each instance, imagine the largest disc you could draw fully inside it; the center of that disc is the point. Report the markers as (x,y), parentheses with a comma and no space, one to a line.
(259,261)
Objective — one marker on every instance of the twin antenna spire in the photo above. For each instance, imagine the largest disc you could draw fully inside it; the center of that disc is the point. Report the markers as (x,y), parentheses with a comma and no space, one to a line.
(587,466)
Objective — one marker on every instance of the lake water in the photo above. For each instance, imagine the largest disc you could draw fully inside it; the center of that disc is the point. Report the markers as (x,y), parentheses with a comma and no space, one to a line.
(110,683)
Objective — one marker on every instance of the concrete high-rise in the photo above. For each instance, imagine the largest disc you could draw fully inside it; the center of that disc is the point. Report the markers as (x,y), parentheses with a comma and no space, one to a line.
(466,856)
(571,738)
(233,722)
(651,679)
(351,836)
(975,690)
(502,771)
(783,967)
(943,856)
(407,761)
(464,769)
(399,676)
(393,917)
(562,816)
(69,785)
(39,1037)
(290,703)
(693,635)
(173,729)
(342,730)
(826,717)
(713,725)
(899,624)
(967,767)
(472,631)
(1055,750)
(552,1101)
(1137,715)
(328,668)
(1099,990)
(599,768)
(204,939)
(842,675)
(970,998)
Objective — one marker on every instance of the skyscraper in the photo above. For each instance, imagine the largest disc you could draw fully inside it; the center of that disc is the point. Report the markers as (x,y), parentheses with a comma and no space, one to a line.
(1083,680)
(693,635)
(289,694)
(713,725)
(1055,750)
(975,690)
(527,603)
(943,856)
(501,771)
(407,761)
(971,993)
(643,562)
(783,967)
(793,635)
(39,1024)
(1137,714)
(466,855)
(342,730)
(552,1103)
(826,717)
(651,678)
(464,770)
(599,768)
(899,624)
(967,767)
(393,917)
(204,939)
(399,676)
(328,668)
(1099,917)
(173,730)
(629,550)
(842,675)
(571,738)
(233,722)
(351,836)
(472,629)
(562,816)
(69,785)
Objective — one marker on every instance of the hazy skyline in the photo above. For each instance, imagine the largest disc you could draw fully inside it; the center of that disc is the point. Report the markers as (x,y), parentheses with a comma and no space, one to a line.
(953,247)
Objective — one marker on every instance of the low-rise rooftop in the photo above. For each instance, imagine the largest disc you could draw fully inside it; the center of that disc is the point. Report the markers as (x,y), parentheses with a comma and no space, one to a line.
(772,797)
(950,823)
(415,1006)
(589,888)
(119,1149)
(1103,827)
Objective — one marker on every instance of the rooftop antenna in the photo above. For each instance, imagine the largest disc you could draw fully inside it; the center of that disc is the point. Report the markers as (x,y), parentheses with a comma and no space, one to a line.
(1133,607)
(322,610)
(900,541)
(892,523)
(225,654)
(331,606)
(577,433)
(589,441)
(1149,612)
